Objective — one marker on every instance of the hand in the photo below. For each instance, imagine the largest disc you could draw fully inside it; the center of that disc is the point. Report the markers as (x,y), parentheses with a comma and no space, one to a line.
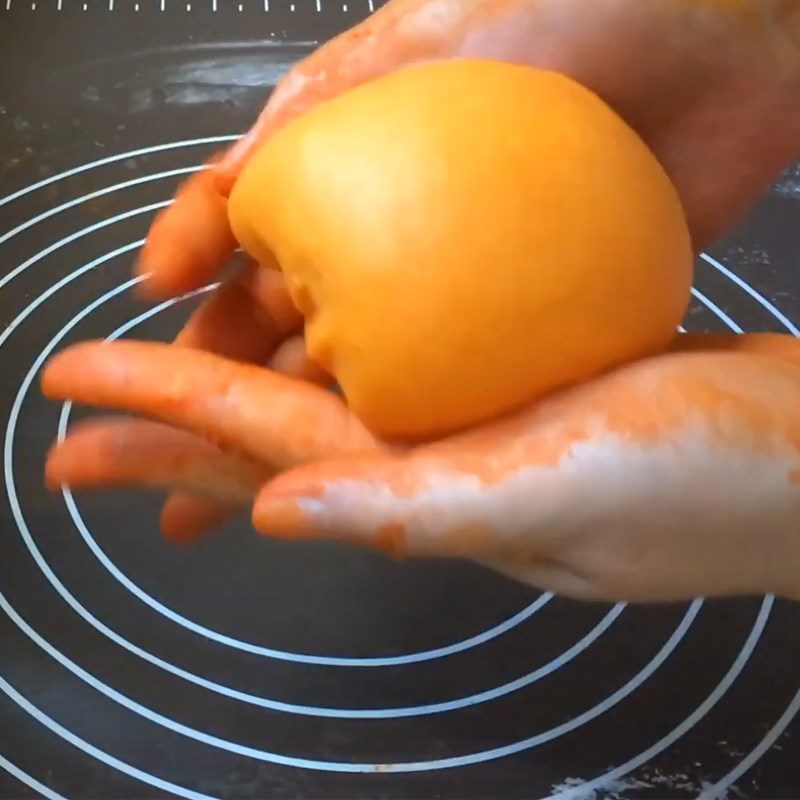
(672,477)
(713,87)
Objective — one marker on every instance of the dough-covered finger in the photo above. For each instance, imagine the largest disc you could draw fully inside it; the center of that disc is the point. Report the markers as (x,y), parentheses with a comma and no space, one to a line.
(276,420)
(188,516)
(189,242)
(244,319)
(129,452)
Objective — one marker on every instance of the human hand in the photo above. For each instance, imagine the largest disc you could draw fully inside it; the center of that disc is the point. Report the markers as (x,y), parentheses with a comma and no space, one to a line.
(675,476)
(712,86)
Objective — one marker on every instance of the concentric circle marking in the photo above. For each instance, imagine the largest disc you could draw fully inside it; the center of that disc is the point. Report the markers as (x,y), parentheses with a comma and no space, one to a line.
(78,235)
(528,743)
(662,744)
(95,752)
(237,748)
(757,296)
(720,788)
(93,196)
(67,279)
(102,162)
(185,674)
(625,768)
(716,310)
(28,780)
(338,766)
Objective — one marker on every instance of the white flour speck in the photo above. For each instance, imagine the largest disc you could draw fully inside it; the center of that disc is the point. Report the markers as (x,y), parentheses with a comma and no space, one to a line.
(788,185)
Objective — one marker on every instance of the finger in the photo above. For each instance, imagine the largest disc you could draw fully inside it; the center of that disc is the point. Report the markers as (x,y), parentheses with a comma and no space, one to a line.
(186,517)
(399,34)
(245,319)
(404,506)
(189,242)
(291,359)
(127,452)
(274,419)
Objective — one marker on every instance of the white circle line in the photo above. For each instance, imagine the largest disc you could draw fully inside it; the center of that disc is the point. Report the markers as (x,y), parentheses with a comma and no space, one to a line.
(8,277)
(95,752)
(29,223)
(28,780)
(757,296)
(714,308)
(143,151)
(352,767)
(31,307)
(719,789)
(575,792)
(377,713)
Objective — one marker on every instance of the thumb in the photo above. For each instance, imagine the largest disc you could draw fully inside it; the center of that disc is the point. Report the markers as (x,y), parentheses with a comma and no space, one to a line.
(411,505)
(400,33)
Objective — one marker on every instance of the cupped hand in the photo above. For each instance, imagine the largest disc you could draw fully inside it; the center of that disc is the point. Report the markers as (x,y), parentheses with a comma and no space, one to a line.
(675,476)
